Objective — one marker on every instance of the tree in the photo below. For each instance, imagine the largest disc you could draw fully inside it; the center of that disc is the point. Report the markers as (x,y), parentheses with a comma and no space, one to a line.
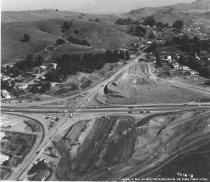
(160,24)
(140,31)
(65,28)
(38,61)
(60,41)
(166,24)
(52,76)
(178,24)
(76,31)
(127,55)
(25,38)
(149,21)
(151,35)
(97,20)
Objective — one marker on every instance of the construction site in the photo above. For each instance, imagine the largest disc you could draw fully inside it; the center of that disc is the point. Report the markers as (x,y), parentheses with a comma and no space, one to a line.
(113,147)
(138,84)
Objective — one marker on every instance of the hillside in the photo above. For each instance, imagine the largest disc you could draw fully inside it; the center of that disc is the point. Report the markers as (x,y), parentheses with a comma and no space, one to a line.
(184,11)
(44,30)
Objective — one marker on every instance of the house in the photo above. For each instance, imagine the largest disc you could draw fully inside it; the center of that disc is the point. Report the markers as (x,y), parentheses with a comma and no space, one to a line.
(43,68)
(184,68)
(54,65)
(192,72)
(176,65)
(5,94)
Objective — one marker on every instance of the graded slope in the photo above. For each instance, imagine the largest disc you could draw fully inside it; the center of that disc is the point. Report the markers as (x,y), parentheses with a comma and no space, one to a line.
(138,85)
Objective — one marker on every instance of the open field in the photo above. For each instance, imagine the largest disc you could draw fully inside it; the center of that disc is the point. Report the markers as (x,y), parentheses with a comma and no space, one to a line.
(45,32)
(139,85)
(116,147)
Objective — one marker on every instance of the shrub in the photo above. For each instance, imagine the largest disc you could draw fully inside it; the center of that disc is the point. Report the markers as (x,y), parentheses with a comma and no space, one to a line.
(76,32)
(25,38)
(60,41)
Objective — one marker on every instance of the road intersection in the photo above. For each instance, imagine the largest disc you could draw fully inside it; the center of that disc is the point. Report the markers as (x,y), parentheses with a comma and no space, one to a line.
(83,109)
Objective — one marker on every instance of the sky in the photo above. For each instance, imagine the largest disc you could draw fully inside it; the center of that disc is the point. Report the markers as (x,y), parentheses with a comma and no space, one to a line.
(91,6)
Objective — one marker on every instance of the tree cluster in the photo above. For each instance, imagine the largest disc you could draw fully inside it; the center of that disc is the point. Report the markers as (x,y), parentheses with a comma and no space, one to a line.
(138,31)
(97,20)
(65,28)
(23,65)
(193,45)
(74,40)
(202,66)
(149,21)
(178,24)
(122,21)
(88,62)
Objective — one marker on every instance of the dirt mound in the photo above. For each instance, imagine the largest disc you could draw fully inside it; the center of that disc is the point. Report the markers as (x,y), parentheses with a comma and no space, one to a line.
(132,80)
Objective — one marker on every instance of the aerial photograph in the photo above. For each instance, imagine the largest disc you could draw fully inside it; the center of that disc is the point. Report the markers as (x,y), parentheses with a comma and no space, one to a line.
(105,90)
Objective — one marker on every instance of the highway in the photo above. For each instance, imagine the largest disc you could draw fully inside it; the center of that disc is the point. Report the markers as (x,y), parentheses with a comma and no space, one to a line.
(94,109)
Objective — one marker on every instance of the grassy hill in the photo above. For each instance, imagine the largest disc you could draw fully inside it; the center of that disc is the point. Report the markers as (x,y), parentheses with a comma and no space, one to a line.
(44,27)
(169,14)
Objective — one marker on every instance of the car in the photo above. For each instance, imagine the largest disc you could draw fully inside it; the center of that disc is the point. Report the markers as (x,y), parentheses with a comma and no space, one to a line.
(37,152)
(147,111)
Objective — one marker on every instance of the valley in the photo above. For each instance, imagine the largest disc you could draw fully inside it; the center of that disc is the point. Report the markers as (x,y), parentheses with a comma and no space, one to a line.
(106,97)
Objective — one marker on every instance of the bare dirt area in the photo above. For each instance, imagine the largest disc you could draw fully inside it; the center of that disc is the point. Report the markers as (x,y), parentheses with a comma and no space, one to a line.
(117,147)
(139,85)
(18,123)
(75,84)
(95,144)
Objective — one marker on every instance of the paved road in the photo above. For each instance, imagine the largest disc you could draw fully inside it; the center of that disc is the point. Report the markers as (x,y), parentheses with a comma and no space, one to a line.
(94,109)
